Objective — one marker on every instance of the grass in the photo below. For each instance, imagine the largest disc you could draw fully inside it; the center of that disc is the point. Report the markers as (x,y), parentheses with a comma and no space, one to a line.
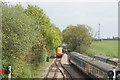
(107,48)
(40,72)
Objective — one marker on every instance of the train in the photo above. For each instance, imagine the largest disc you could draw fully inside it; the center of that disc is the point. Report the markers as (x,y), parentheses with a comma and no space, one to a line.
(59,53)
(95,69)
(109,60)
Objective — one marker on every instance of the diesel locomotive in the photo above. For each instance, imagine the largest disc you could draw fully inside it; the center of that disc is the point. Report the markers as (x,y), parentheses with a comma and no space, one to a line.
(59,53)
(95,69)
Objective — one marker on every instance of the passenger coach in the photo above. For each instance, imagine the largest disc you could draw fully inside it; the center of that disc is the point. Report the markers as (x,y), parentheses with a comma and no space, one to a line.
(94,68)
(109,60)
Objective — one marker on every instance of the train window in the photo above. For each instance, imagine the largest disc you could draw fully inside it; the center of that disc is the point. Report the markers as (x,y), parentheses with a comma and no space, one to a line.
(83,64)
(97,71)
(103,60)
(114,63)
(101,73)
(76,60)
(93,70)
(105,75)
(96,57)
(111,62)
(90,69)
(80,62)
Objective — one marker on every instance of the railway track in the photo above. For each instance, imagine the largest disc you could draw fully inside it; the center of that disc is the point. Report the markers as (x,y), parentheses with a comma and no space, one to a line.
(57,70)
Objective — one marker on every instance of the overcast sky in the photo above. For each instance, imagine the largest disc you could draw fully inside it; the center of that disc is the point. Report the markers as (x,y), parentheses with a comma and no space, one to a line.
(91,13)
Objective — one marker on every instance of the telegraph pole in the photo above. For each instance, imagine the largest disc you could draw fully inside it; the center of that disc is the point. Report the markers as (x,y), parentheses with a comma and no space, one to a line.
(99,32)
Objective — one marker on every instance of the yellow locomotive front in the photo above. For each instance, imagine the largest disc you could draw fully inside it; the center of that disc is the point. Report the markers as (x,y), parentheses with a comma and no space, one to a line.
(59,53)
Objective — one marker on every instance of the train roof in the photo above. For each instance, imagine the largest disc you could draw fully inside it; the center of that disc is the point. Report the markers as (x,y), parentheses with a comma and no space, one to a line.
(86,58)
(81,56)
(76,54)
(107,57)
(115,59)
(99,64)
(101,56)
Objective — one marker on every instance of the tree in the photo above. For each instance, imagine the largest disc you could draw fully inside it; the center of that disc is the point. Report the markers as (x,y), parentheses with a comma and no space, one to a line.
(48,30)
(78,38)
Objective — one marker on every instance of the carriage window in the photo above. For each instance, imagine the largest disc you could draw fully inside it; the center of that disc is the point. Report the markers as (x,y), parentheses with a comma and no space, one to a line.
(91,69)
(83,64)
(98,58)
(114,63)
(79,62)
(94,70)
(111,62)
(102,73)
(103,60)
(98,72)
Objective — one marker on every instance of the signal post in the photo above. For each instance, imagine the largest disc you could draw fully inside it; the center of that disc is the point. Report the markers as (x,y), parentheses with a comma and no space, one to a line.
(7,71)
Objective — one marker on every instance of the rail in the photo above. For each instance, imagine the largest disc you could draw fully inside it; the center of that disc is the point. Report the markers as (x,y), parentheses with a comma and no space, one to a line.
(58,66)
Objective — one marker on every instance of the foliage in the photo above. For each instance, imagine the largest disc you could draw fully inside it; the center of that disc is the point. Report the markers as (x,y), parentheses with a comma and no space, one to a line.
(50,33)
(18,35)
(27,36)
(78,38)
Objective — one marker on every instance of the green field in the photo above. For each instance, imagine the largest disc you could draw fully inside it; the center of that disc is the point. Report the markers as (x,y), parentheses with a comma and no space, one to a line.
(107,48)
